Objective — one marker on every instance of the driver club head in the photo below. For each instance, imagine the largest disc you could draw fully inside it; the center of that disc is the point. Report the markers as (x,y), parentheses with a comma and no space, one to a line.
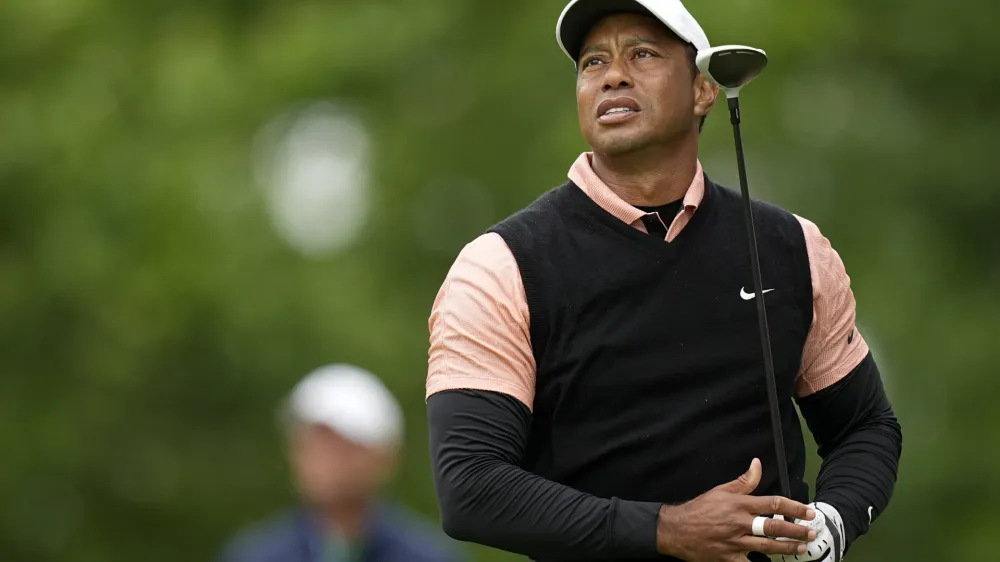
(732,66)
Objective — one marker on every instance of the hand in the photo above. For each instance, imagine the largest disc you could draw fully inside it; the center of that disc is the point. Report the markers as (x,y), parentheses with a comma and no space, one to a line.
(829,545)
(717,525)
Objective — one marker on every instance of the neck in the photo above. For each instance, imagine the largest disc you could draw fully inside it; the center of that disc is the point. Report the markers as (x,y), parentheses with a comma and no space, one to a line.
(345,519)
(649,177)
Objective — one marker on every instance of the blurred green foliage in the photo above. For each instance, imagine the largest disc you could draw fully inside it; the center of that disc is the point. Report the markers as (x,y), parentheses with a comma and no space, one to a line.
(151,317)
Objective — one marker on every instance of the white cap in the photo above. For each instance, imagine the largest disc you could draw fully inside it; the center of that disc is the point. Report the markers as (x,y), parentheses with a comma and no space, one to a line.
(579,16)
(352,402)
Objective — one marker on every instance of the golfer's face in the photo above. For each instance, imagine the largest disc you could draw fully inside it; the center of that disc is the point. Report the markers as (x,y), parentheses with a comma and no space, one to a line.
(634,85)
(329,469)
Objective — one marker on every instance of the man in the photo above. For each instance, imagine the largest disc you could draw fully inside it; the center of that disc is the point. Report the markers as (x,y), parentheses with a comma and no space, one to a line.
(344,432)
(595,386)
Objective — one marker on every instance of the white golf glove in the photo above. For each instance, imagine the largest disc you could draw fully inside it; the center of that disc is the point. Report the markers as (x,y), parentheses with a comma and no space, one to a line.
(828,546)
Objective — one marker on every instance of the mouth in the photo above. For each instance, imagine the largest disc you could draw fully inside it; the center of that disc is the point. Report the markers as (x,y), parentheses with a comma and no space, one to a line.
(617,110)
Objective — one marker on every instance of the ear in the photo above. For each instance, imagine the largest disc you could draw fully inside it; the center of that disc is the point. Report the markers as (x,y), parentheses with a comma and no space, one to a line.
(705,94)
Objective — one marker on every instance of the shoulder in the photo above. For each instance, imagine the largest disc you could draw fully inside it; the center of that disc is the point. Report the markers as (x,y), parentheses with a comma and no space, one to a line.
(809,228)
(534,215)
(818,244)
(484,271)
(828,271)
(541,228)
(550,200)
(771,218)
(403,535)
(487,253)
(272,540)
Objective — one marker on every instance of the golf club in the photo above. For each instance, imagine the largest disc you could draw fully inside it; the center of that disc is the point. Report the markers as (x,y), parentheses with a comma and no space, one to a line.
(732,67)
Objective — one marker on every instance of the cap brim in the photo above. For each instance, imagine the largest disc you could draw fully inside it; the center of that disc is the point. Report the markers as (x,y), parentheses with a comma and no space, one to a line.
(581,17)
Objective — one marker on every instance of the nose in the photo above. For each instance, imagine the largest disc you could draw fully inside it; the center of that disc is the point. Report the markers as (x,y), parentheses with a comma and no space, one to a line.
(616,77)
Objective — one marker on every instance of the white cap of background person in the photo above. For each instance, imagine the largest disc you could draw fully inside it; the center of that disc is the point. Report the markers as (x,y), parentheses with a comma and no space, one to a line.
(579,16)
(350,401)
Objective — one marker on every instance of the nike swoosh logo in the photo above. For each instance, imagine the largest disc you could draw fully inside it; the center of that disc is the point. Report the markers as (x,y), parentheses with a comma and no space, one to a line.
(749,296)
(869,515)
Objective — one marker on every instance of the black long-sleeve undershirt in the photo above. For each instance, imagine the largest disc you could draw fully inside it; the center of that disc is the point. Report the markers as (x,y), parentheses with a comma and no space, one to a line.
(478,439)
(860,442)
(477,442)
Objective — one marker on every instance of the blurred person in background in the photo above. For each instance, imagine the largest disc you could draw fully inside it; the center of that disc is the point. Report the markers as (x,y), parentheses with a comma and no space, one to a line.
(344,431)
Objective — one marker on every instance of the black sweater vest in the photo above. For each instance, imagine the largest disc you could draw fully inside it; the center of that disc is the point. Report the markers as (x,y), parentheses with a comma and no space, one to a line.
(650,379)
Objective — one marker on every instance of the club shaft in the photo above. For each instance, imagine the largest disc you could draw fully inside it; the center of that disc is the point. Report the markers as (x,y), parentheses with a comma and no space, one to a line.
(758,285)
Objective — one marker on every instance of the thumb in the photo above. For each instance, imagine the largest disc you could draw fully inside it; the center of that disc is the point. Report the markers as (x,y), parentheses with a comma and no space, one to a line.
(747,482)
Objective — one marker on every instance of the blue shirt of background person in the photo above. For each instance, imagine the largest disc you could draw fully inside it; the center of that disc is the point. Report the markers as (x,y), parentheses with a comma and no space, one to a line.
(391,535)
(344,432)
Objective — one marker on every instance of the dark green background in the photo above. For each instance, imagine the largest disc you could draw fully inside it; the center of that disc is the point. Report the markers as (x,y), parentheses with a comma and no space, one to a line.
(151,317)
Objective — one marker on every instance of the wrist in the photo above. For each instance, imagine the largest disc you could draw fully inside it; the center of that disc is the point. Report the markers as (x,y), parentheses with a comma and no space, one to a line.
(667,530)
(830,512)
(633,528)
(834,517)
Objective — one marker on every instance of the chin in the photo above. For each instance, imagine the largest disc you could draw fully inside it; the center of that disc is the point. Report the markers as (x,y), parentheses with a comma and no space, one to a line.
(624,142)
(620,145)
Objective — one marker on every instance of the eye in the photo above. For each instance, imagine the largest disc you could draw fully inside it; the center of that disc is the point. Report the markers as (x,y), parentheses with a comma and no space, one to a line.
(641,53)
(589,61)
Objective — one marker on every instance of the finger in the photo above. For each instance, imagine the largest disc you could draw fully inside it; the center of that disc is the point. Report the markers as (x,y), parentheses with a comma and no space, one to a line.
(777,505)
(784,529)
(770,546)
(746,483)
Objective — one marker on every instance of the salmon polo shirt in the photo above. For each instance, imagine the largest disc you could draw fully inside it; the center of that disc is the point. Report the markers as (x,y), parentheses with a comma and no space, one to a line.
(479,325)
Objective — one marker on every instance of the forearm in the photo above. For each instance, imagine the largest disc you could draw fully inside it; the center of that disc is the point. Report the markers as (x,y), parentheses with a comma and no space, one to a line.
(504,507)
(860,442)
(861,474)
(477,440)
